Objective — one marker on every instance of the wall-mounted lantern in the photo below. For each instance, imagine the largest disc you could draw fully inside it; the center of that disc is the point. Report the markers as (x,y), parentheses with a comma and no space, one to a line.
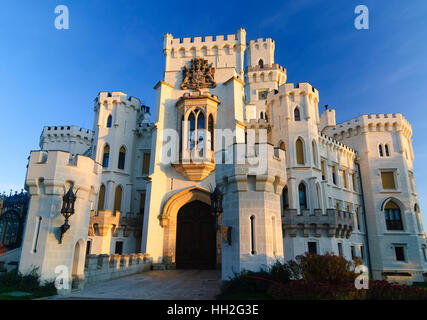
(67,210)
(216,210)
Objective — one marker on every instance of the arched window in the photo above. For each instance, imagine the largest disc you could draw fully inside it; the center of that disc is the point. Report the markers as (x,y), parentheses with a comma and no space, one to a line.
(285,198)
(297,116)
(299,147)
(393,217)
(109,121)
(313,145)
(380,150)
(106,156)
(200,130)
(191,130)
(122,158)
(117,199)
(387,153)
(196,130)
(302,193)
(211,131)
(261,63)
(101,198)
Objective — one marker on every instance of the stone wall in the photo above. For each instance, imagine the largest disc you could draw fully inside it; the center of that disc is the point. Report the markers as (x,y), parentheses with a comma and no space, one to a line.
(107,267)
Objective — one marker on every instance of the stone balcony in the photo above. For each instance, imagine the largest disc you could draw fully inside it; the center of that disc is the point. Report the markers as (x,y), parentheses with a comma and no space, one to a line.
(103,221)
(194,166)
(337,223)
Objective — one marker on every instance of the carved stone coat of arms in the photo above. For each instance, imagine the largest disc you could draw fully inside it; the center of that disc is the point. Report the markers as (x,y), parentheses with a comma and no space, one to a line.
(200,75)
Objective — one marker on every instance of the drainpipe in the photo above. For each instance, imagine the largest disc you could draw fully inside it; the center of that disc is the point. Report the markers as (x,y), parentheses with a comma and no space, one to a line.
(368,253)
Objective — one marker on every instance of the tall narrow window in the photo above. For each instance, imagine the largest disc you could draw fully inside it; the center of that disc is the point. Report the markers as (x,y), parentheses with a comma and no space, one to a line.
(297,116)
(358,219)
(253,235)
(387,153)
(191,131)
(109,121)
(340,252)
(344,179)
(118,199)
(37,233)
(211,132)
(334,178)
(299,146)
(101,198)
(200,130)
(273,226)
(393,217)
(261,63)
(323,170)
(285,199)
(380,150)
(313,146)
(353,178)
(122,158)
(302,196)
(362,252)
(319,196)
(145,163)
(106,156)
(353,253)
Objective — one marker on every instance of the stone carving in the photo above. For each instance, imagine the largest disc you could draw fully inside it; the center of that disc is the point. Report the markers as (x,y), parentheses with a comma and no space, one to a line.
(200,75)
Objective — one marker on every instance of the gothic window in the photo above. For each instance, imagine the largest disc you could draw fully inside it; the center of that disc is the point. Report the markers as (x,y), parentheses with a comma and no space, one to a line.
(196,129)
(393,217)
(191,130)
(101,198)
(285,199)
(302,196)
(380,150)
(387,153)
(313,145)
(299,146)
(261,115)
(106,156)
(109,121)
(211,131)
(297,116)
(261,63)
(122,158)
(117,199)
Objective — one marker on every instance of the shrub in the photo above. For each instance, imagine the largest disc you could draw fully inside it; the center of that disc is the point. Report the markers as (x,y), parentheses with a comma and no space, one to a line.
(29,282)
(326,268)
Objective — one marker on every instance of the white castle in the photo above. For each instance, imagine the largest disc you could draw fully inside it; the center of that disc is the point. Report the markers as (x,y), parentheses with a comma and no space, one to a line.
(293,181)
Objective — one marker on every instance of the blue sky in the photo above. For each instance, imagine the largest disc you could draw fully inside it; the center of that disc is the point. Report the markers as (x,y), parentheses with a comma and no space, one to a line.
(50,76)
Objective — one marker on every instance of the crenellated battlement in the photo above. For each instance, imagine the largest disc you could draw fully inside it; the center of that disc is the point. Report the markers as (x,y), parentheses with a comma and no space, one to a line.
(291,89)
(110,98)
(327,140)
(209,42)
(261,42)
(373,123)
(49,171)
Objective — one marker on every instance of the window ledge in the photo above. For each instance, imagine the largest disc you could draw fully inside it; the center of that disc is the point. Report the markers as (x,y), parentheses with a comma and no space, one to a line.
(400,233)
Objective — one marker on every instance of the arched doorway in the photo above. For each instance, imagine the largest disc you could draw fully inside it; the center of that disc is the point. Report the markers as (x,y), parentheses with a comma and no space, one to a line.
(195,237)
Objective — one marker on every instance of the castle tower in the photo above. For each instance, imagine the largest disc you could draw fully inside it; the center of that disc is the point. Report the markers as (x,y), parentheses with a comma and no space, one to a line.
(252,187)
(50,174)
(262,74)
(117,119)
(396,237)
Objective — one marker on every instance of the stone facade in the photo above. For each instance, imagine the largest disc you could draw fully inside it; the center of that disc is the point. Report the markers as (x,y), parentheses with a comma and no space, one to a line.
(292,179)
